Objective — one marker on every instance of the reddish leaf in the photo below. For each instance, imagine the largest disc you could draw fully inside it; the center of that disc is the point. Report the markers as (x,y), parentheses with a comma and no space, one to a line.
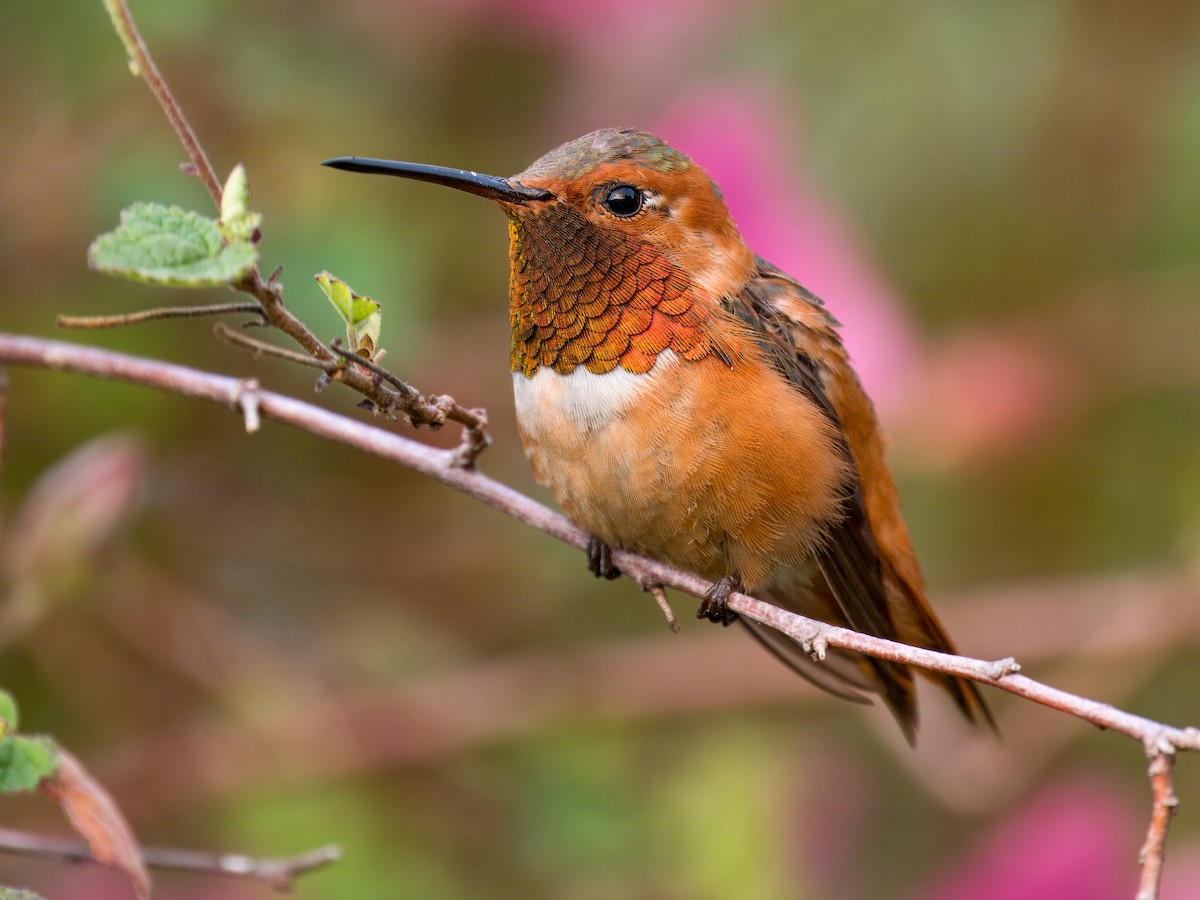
(94,814)
(72,510)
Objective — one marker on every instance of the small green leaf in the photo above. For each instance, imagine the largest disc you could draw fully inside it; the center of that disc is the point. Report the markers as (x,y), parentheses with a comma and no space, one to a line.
(238,221)
(362,315)
(25,761)
(9,893)
(8,714)
(171,246)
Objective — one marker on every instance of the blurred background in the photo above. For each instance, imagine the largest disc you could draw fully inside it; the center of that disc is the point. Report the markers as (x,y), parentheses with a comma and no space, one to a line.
(269,643)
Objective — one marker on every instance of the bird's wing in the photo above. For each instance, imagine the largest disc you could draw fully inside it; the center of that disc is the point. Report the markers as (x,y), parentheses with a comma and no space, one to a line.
(876,584)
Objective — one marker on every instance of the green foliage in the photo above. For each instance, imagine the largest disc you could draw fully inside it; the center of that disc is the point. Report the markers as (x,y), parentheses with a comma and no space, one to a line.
(238,221)
(24,761)
(171,246)
(7,893)
(9,719)
(362,315)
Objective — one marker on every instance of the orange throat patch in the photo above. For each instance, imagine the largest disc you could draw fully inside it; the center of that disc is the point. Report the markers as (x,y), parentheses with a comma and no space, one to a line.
(584,296)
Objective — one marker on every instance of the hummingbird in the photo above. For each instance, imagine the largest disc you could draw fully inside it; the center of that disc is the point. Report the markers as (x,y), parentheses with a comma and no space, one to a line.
(685,399)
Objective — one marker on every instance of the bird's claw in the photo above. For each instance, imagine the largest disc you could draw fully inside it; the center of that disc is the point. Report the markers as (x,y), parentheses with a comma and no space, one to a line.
(600,562)
(715,606)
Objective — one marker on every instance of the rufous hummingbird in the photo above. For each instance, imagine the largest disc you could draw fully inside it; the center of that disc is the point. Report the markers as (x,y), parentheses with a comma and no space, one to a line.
(685,399)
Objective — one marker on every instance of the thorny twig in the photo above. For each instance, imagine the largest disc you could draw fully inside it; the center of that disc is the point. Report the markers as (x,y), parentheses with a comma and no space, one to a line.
(1160,740)
(277,873)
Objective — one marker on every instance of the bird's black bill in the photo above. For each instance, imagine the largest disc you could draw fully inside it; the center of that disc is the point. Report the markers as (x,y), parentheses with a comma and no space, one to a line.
(489,186)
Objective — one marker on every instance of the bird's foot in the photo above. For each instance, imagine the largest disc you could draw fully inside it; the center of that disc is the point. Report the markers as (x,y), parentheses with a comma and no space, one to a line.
(600,562)
(715,606)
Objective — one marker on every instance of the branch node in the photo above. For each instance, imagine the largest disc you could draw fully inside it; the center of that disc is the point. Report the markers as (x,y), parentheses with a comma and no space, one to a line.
(1002,668)
(1158,745)
(246,400)
(817,645)
(474,441)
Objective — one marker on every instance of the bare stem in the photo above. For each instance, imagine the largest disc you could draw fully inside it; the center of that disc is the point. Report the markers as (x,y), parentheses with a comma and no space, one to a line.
(89,323)
(1154,850)
(245,342)
(143,64)
(277,873)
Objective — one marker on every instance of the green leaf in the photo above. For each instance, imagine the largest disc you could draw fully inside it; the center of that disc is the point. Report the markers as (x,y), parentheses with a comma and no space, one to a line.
(8,893)
(8,714)
(238,221)
(362,315)
(171,246)
(25,761)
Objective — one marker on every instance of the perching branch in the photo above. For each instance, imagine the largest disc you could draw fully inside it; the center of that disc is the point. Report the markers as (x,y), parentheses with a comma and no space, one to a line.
(1160,741)
(276,873)
(437,464)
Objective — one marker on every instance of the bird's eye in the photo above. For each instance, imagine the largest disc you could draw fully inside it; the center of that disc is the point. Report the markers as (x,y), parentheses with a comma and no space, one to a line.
(623,200)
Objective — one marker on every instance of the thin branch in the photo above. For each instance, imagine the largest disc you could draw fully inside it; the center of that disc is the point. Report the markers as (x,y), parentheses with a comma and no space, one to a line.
(385,391)
(269,293)
(262,348)
(277,873)
(430,411)
(150,315)
(1159,739)
(1154,850)
(392,394)
(422,410)
(439,465)
(143,64)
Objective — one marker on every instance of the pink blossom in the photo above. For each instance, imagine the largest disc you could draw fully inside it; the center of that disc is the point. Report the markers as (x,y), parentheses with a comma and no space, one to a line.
(1075,840)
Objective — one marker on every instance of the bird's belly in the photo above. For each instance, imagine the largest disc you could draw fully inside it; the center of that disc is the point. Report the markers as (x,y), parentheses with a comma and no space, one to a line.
(692,463)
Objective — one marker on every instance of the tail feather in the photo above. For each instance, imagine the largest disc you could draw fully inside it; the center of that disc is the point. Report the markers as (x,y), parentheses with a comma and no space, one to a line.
(854,676)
